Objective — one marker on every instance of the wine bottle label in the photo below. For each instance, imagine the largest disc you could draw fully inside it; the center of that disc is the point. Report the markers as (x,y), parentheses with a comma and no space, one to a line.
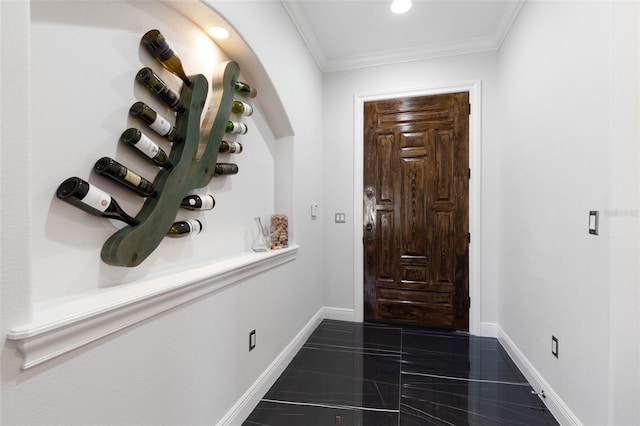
(161,125)
(195,226)
(207,202)
(132,178)
(234,147)
(147,146)
(97,198)
(239,128)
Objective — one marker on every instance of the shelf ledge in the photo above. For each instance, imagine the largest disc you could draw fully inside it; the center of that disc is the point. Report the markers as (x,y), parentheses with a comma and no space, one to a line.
(73,323)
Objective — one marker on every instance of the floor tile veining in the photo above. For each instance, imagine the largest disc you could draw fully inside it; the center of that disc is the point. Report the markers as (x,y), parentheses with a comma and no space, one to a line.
(374,374)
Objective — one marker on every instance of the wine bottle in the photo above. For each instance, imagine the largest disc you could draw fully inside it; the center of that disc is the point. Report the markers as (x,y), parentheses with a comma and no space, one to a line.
(155,43)
(91,199)
(111,168)
(245,89)
(136,139)
(243,108)
(231,147)
(184,228)
(226,169)
(236,127)
(197,202)
(156,122)
(155,84)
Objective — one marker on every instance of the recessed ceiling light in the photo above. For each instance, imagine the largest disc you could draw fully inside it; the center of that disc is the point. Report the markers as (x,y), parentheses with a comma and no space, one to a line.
(218,32)
(400,6)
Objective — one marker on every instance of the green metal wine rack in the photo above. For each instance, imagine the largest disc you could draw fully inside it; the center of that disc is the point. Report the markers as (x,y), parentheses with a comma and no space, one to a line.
(194,165)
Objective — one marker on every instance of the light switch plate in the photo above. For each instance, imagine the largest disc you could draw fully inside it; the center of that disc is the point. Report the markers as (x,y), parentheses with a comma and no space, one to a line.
(340,218)
(593,222)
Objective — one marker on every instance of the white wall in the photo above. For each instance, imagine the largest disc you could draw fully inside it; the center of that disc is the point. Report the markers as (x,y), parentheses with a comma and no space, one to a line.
(191,364)
(565,150)
(339,90)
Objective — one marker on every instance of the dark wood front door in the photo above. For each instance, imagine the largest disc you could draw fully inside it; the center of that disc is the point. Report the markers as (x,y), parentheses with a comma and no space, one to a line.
(416,210)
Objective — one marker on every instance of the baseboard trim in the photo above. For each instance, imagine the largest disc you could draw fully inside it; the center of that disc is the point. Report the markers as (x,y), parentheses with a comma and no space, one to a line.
(248,401)
(556,405)
(488,329)
(339,314)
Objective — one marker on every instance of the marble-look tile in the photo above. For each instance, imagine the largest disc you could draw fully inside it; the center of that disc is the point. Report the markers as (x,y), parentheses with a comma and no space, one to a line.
(354,335)
(434,400)
(281,414)
(376,374)
(458,356)
(340,376)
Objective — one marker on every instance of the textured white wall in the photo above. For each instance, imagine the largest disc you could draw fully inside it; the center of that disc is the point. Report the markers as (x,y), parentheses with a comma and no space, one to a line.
(560,156)
(339,90)
(189,365)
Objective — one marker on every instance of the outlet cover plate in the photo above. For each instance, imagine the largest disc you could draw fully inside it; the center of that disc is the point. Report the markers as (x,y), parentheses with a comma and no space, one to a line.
(252,340)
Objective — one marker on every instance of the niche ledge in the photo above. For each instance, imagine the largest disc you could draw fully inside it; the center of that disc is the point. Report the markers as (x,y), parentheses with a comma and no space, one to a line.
(86,318)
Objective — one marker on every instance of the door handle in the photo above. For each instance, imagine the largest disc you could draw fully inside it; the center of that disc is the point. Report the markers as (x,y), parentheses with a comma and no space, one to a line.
(369,227)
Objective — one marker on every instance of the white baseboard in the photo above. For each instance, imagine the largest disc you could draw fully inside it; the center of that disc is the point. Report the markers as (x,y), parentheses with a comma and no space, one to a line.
(556,405)
(488,329)
(340,314)
(248,401)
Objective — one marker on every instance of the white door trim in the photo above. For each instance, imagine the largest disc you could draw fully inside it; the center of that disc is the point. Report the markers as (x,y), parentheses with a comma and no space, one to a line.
(475,152)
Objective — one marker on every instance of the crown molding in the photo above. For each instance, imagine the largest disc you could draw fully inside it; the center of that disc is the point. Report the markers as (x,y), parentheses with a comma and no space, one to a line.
(427,51)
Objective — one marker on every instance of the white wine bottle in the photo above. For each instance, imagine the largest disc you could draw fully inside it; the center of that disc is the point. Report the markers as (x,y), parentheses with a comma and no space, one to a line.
(184,228)
(243,108)
(197,202)
(226,169)
(91,199)
(111,168)
(236,127)
(156,122)
(136,139)
(245,89)
(155,43)
(155,84)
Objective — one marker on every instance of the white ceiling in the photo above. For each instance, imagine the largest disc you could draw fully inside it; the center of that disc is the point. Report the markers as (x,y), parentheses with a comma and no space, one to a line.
(344,34)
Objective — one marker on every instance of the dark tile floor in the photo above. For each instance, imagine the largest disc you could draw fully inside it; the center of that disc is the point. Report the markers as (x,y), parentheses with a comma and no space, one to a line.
(373,374)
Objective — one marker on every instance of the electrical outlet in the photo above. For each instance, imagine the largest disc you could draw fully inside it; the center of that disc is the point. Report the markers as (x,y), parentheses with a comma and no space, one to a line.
(252,340)
(554,346)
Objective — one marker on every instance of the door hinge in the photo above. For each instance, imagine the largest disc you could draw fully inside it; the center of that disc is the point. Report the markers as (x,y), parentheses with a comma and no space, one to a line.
(469,307)
(469,109)
(469,235)
(469,173)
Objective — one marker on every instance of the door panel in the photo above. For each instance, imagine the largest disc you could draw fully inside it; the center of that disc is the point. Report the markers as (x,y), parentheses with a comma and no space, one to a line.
(416,210)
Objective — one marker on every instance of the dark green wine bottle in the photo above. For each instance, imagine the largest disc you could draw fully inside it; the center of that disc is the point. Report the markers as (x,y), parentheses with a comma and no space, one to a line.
(156,122)
(226,169)
(197,202)
(245,89)
(155,84)
(236,127)
(230,147)
(111,168)
(136,139)
(184,228)
(155,43)
(93,200)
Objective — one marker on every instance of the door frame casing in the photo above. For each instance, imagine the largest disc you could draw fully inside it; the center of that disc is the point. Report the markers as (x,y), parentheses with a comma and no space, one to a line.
(475,151)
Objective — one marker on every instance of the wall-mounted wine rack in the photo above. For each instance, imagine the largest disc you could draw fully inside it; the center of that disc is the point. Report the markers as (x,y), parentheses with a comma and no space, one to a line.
(194,163)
